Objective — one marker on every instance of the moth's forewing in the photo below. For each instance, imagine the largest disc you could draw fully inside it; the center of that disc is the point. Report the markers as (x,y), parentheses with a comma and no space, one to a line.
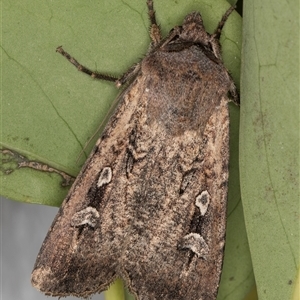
(150,203)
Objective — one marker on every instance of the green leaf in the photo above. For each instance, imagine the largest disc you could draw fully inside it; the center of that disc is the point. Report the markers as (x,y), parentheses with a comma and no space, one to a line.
(116,291)
(269,144)
(50,111)
(237,275)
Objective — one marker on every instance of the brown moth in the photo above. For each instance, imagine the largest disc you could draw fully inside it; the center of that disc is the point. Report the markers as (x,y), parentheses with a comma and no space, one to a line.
(149,205)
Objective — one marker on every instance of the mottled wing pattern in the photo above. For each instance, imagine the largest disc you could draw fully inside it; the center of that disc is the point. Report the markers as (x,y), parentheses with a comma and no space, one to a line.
(149,205)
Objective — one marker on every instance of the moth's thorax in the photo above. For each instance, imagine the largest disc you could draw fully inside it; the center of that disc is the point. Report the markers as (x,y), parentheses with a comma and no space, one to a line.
(186,87)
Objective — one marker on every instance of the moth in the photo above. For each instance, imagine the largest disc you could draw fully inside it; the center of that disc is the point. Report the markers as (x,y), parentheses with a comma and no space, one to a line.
(149,205)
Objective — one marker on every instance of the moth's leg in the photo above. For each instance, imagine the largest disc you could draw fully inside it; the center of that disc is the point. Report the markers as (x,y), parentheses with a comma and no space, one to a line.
(155,36)
(130,73)
(155,33)
(82,68)
(118,81)
(215,37)
(221,24)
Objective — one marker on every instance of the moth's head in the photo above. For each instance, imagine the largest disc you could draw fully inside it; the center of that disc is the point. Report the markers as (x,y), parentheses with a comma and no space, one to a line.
(193,29)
